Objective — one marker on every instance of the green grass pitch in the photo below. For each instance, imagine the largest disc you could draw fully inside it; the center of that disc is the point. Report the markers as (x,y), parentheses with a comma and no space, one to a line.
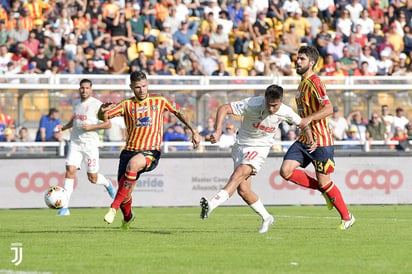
(304,239)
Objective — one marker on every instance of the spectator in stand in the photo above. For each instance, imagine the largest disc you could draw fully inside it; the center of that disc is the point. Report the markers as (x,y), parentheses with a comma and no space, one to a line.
(399,120)
(252,9)
(110,11)
(9,137)
(290,6)
(376,13)
(326,8)
(375,130)
(261,63)
(209,61)
(228,138)
(314,22)
(236,11)
(355,119)
(376,34)
(4,34)
(363,70)
(42,62)
(395,39)
(281,63)
(387,119)
(4,58)
(367,57)
(23,137)
(322,39)
(73,68)
(338,125)
(165,70)
(213,6)
(182,36)
(225,21)
(302,27)
(60,58)
(32,43)
(64,23)
(360,38)
(196,69)
(355,8)
(348,63)
(400,22)
(407,40)
(136,26)
(209,129)
(18,34)
(344,25)
(182,11)
(390,15)
(400,136)
(385,64)
(21,57)
(116,133)
(221,70)
(242,35)
(275,10)
(339,71)
(207,27)
(366,23)
(150,68)
(94,12)
(264,33)
(219,41)
(329,64)
(176,133)
(352,135)
(195,7)
(386,45)
(335,47)
(162,12)
(47,127)
(290,41)
(6,121)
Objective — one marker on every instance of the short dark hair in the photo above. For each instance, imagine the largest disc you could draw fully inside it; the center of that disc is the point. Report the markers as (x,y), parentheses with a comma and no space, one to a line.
(136,76)
(274,92)
(311,52)
(53,111)
(86,81)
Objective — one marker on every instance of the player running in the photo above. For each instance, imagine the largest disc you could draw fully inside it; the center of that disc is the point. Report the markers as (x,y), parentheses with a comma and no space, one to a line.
(261,118)
(84,142)
(314,107)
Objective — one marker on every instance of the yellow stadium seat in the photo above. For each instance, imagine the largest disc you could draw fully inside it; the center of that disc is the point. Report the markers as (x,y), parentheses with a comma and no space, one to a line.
(146,47)
(132,52)
(225,60)
(245,62)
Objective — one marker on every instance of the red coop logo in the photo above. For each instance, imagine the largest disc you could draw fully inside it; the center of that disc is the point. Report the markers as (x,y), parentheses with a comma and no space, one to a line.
(379,179)
(39,181)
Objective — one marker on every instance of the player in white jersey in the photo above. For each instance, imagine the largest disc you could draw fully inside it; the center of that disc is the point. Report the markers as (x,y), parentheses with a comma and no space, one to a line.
(261,119)
(84,142)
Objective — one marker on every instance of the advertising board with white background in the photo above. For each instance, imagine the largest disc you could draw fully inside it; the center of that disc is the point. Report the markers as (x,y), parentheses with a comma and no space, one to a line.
(183,181)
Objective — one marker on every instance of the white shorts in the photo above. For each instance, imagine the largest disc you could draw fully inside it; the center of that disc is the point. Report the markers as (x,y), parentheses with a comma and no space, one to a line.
(87,154)
(253,156)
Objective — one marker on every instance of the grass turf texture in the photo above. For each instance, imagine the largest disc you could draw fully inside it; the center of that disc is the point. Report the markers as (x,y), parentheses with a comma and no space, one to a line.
(304,239)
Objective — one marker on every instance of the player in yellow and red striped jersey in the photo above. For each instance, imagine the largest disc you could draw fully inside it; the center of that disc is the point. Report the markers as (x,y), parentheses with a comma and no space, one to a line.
(143,116)
(312,102)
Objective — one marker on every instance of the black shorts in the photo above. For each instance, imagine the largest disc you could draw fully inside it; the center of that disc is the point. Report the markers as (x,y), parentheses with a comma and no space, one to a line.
(152,157)
(322,157)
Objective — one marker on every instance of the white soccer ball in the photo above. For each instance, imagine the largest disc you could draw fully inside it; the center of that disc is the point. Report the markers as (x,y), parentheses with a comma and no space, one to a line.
(55,197)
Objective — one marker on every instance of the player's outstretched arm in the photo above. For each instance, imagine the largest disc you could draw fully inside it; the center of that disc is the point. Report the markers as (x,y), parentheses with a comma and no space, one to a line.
(221,115)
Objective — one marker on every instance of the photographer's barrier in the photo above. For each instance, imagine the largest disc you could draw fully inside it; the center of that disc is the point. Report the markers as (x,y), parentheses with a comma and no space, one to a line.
(183,181)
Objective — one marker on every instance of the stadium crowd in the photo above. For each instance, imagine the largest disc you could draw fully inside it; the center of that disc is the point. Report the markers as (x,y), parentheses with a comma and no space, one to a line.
(204,37)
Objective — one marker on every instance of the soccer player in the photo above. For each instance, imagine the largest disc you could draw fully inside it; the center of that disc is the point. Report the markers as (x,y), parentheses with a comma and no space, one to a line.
(84,142)
(261,118)
(143,116)
(314,105)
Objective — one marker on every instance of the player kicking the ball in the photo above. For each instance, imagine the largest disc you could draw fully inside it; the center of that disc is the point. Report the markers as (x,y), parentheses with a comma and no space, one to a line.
(84,142)
(261,119)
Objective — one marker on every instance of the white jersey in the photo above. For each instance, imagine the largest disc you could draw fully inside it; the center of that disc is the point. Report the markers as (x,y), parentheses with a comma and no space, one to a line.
(85,112)
(258,127)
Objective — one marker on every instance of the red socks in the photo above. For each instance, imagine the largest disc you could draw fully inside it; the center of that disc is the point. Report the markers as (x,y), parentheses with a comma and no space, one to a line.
(301,178)
(126,208)
(333,192)
(126,185)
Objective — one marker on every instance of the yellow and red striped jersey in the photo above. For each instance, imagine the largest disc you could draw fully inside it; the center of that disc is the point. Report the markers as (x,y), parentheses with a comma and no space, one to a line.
(144,120)
(309,98)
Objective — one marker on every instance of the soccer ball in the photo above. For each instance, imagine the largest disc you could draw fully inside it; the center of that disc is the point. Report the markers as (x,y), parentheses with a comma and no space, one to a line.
(55,197)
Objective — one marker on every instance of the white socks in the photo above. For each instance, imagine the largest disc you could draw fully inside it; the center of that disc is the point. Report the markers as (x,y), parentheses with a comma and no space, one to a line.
(221,197)
(101,180)
(260,209)
(68,186)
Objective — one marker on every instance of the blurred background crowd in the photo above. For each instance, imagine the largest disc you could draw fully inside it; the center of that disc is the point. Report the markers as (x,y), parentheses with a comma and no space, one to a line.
(204,37)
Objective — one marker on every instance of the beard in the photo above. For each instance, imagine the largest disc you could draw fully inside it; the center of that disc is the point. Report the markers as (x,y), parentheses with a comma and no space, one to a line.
(302,70)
